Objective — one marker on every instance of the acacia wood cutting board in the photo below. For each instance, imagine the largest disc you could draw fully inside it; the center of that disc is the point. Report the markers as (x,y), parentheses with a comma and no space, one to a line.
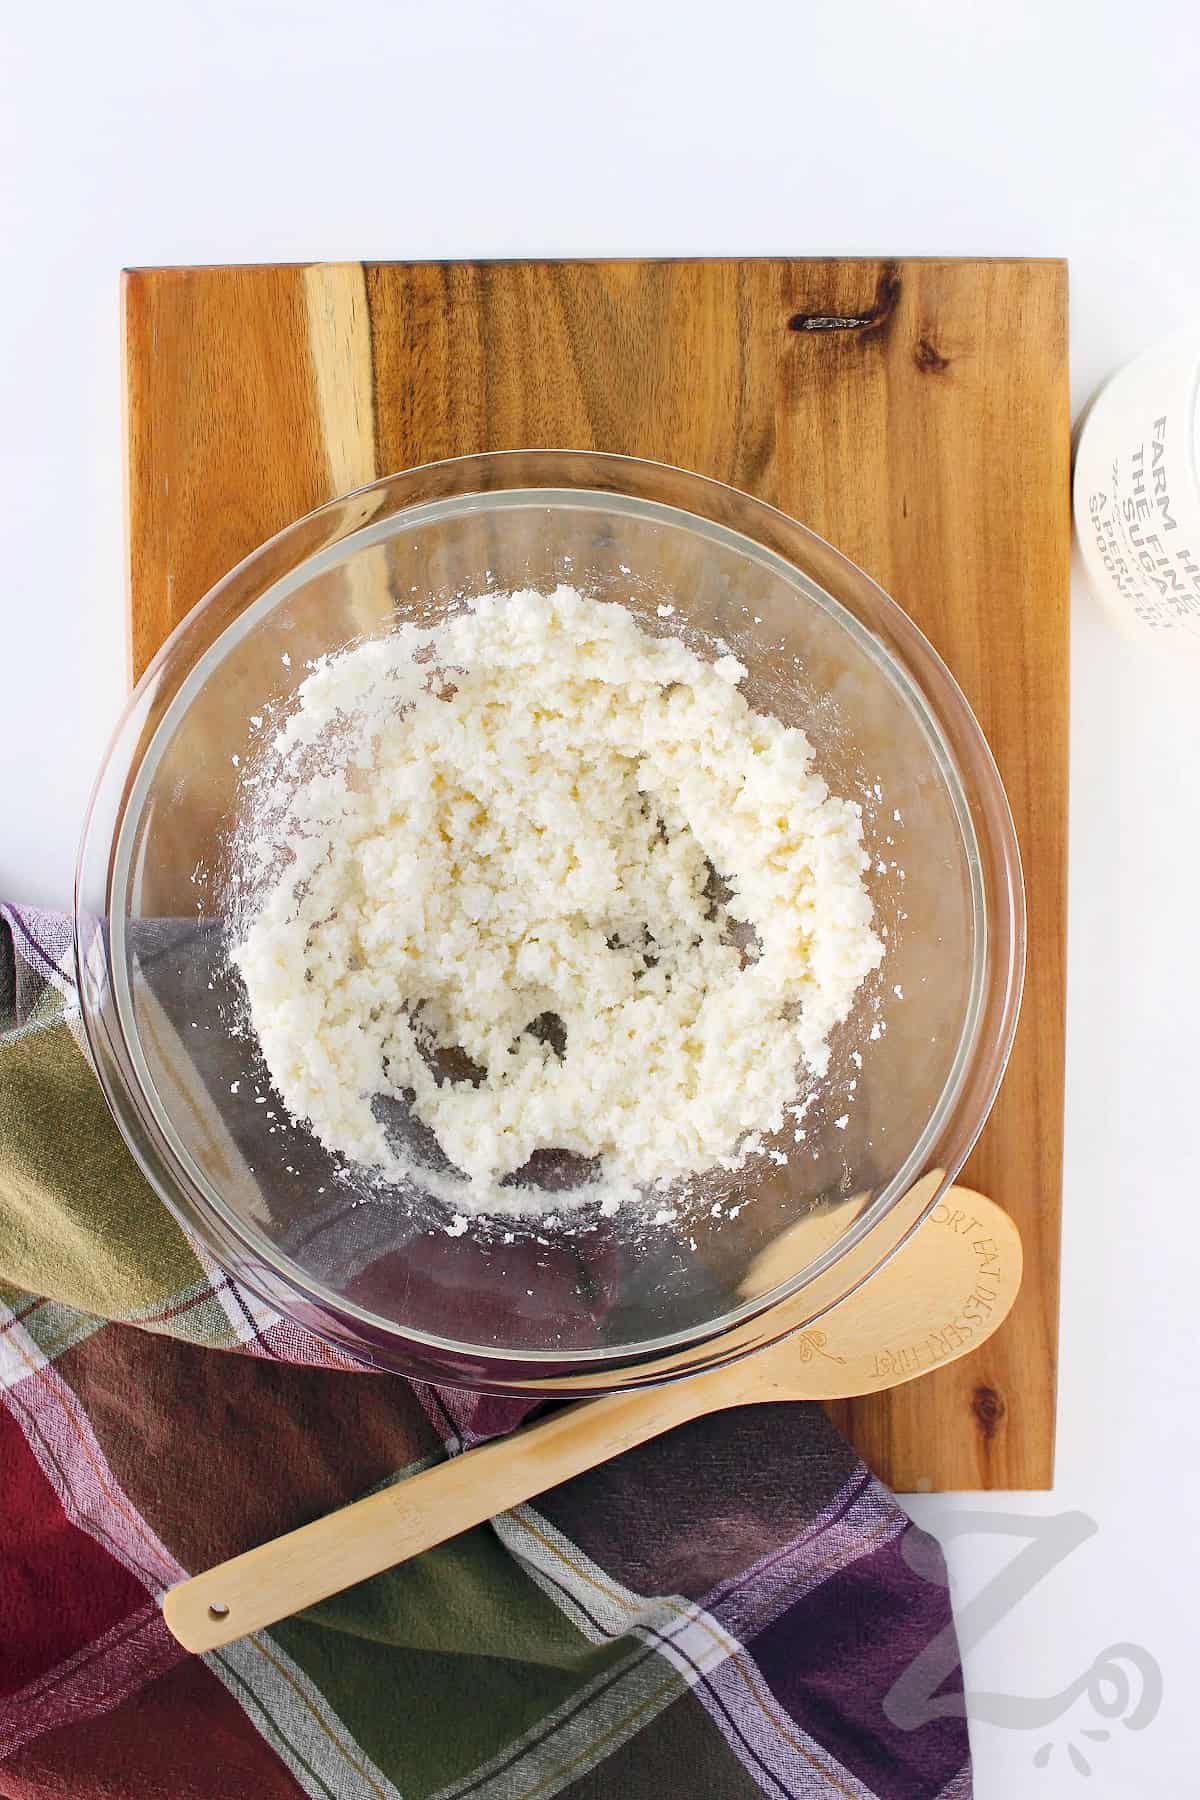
(913,412)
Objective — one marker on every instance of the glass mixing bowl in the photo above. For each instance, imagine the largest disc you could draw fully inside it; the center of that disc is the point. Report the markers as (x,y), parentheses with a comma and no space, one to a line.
(595,1303)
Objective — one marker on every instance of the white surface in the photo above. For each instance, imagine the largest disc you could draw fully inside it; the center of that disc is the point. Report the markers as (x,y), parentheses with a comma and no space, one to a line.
(156,133)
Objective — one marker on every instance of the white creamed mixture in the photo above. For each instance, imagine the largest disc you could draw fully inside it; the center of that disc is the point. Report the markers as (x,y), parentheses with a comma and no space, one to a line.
(513,843)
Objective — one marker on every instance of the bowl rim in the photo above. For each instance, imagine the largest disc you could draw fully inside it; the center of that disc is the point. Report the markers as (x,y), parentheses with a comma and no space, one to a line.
(194,1195)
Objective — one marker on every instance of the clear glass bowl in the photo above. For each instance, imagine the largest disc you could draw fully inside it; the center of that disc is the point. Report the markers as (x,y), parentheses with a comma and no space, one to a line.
(618,1303)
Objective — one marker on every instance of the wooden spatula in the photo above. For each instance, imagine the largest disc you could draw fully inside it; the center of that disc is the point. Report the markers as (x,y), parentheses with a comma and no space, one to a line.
(942,1294)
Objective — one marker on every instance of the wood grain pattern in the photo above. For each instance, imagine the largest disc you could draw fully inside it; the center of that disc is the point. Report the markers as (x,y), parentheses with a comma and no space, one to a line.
(913,412)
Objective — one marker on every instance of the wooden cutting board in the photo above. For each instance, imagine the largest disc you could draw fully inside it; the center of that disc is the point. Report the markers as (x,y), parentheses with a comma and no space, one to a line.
(914,412)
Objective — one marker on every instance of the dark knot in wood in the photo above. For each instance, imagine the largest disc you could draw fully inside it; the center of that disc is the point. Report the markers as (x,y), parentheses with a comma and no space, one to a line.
(929,358)
(876,317)
(989,1410)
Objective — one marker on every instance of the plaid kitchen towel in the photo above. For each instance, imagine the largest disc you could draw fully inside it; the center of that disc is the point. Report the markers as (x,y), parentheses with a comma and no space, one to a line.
(716,1615)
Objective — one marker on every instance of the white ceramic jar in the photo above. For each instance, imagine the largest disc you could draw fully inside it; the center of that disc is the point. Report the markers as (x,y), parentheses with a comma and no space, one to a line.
(1137,494)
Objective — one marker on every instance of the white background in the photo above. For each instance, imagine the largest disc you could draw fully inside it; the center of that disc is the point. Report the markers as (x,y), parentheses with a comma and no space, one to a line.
(148,133)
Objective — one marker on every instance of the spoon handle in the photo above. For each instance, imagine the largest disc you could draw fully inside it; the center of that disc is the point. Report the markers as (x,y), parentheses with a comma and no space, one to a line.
(268,1583)
(922,1286)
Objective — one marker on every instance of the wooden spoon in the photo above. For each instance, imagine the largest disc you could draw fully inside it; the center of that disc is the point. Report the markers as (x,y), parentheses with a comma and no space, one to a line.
(943,1293)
